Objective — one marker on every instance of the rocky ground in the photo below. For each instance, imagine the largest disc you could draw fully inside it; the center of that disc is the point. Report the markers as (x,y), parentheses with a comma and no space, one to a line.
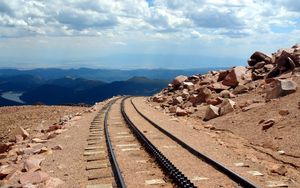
(33,118)
(26,134)
(259,103)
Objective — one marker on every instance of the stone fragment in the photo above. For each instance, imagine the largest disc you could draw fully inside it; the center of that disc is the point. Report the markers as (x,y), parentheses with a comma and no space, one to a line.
(181,112)
(284,112)
(222,75)
(251,106)
(33,164)
(179,80)
(159,99)
(209,126)
(33,177)
(211,112)
(5,170)
(240,89)
(278,88)
(214,101)
(51,135)
(218,87)
(227,106)
(226,94)
(54,127)
(38,140)
(188,85)
(57,147)
(4,147)
(177,100)
(278,169)
(53,182)
(276,184)
(268,124)
(235,76)
(172,109)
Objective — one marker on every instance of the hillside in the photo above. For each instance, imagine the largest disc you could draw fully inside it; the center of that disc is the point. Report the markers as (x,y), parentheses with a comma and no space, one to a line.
(72,91)
(259,103)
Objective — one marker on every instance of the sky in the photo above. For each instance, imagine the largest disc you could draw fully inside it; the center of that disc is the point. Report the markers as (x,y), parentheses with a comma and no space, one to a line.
(132,34)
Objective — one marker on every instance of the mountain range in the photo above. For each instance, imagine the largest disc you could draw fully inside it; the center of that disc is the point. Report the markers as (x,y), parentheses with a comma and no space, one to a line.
(73,86)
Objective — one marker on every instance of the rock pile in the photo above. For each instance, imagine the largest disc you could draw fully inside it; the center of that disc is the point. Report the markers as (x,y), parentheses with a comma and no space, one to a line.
(216,89)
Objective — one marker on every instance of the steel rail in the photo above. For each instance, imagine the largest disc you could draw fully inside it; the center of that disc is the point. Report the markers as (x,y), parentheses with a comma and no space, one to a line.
(175,174)
(112,157)
(217,165)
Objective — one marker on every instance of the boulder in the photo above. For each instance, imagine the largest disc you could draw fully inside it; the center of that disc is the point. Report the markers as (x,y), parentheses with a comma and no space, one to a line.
(258,57)
(33,164)
(172,109)
(279,87)
(179,80)
(226,94)
(278,169)
(5,170)
(177,100)
(54,127)
(235,76)
(181,112)
(158,99)
(222,75)
(211,112)
(188,85)
(4,147)
(285,62)
(227,106)
(33,177)
(19,131)
(204,94)
(214,101)
(218,87)
(185,93)
(240,89)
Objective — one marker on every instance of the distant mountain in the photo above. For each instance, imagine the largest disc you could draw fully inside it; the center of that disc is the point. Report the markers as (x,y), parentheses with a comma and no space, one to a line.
(19,82)
(5,102)
(57,94)
(75,83)
(106,75)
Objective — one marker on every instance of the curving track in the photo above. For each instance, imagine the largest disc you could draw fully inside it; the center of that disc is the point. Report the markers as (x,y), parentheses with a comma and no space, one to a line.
(124,169)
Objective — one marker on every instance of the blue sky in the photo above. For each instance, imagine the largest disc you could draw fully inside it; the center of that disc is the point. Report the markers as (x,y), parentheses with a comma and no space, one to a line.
(130,34)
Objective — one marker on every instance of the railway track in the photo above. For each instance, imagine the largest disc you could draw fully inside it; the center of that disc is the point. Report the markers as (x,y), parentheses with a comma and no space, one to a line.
(137,159)
(239,180)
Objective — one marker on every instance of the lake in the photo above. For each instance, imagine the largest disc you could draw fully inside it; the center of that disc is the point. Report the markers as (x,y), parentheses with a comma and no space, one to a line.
(13,96)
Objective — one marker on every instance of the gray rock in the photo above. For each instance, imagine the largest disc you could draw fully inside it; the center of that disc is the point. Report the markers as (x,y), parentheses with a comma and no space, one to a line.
(211,112)
(278,88)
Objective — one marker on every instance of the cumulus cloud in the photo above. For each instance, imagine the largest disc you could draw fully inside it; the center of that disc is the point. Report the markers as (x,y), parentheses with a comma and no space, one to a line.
(227,18)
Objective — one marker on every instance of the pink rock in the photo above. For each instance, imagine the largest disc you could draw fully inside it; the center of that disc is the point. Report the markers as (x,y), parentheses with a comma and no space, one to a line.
(235,76)
(33,177)
(172,109)
(33,164)
(5,170)
(181,112)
